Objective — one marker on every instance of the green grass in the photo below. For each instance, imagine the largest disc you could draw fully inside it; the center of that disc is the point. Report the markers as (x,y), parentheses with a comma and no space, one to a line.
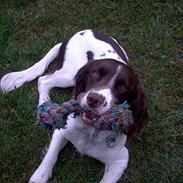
(150,31)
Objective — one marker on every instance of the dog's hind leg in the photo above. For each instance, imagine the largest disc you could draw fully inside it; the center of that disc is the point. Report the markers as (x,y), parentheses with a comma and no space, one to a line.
(44,171)
(57,79)
(14,80)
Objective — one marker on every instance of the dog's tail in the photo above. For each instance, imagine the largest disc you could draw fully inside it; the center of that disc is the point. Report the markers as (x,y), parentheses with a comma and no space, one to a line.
(14,80)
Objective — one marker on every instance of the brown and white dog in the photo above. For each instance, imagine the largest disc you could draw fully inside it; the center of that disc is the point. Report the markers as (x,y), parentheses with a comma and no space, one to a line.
(98,68)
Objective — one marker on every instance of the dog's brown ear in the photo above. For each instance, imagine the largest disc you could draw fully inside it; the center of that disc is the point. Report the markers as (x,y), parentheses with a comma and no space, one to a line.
(81,79)
(138,105)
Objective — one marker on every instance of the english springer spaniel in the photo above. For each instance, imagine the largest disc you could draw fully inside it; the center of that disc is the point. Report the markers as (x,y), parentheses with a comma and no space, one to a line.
(98,67)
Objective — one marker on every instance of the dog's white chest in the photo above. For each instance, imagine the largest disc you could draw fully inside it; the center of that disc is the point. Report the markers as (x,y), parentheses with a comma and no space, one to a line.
(90,141)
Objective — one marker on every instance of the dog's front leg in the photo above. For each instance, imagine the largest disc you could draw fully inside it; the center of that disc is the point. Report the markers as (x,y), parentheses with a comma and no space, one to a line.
(44,171)
(114,170)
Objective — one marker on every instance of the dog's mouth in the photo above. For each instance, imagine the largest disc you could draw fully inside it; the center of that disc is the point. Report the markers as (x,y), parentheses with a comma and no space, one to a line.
(89,117)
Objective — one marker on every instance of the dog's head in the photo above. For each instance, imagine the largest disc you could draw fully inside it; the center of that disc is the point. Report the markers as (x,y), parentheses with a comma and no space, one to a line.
(102,83)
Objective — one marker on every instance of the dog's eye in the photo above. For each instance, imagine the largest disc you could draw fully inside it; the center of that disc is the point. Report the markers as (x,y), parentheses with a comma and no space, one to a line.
(95,74)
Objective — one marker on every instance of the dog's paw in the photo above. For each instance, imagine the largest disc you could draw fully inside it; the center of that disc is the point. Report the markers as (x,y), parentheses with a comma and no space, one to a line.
(41,175)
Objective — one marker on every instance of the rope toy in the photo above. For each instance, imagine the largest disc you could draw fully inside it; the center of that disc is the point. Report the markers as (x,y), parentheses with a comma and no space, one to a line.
(51,115)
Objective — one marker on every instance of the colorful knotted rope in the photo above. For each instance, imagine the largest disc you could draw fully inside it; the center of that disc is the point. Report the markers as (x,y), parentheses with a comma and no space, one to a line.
(51,116)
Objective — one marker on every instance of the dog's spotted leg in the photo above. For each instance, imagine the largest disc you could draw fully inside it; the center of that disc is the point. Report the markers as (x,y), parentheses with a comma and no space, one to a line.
(44,171)
(115,169)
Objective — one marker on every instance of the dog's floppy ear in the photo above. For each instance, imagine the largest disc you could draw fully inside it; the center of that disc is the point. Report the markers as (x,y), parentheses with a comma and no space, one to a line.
(138,106)
(81,79)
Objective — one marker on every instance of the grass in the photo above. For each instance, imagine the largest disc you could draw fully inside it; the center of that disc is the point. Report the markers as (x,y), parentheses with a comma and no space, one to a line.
(151,32)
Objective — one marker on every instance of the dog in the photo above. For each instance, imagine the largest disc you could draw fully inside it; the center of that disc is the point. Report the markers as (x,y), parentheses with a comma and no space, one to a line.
(97,66)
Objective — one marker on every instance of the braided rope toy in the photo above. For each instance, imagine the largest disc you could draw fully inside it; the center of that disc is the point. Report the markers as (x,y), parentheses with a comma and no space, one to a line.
(51,115)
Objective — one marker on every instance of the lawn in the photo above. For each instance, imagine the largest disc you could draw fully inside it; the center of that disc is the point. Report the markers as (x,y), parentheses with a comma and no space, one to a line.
(152,34)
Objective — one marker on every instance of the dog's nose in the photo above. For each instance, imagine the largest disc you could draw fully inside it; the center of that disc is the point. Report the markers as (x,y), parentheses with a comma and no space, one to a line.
(94,99)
